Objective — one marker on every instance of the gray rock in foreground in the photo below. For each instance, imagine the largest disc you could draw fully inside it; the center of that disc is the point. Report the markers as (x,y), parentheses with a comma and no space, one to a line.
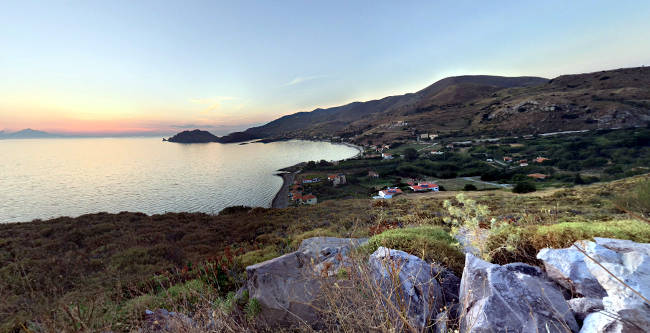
(567,267)
(511,298)
(410,284)
(287,286)
(624,310)
(583,306)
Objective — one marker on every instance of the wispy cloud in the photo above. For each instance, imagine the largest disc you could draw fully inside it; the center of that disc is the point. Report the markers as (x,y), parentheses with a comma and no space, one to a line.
(213,103)
(302,79)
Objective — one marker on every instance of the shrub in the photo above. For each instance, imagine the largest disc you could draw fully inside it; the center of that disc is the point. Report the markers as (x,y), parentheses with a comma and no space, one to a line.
(234,210)
(257,256)
(410,154)
(512,243)
(427,242)
(253,308)
(524,187)
(637,200)
(469,187)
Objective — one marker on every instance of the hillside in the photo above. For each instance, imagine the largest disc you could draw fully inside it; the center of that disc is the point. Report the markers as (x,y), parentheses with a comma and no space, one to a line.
(117,265)
(489,105)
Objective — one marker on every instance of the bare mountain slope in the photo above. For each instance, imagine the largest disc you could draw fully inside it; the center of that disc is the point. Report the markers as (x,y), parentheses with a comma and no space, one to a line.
(481,104)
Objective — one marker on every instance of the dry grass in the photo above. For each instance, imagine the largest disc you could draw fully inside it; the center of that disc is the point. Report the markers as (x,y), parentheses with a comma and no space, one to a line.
(101,270)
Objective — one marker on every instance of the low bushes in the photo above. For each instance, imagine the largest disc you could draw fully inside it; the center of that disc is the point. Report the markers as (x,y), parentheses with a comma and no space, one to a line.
(524,187)
(511,243)
(427,242)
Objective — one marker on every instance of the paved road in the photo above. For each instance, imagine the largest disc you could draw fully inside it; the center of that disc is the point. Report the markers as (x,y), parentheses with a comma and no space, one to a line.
(487,183)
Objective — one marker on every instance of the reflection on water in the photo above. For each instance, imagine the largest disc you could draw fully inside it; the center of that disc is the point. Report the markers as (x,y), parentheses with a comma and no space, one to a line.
(46,178)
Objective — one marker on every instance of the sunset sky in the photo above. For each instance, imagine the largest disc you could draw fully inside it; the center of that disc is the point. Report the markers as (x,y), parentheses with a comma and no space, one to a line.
(163,66)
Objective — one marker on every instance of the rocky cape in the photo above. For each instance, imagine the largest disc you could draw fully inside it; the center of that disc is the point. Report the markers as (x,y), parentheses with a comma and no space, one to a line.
(200,136)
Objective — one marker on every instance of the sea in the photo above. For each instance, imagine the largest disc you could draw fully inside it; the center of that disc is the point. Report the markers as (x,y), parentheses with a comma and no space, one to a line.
(47,178)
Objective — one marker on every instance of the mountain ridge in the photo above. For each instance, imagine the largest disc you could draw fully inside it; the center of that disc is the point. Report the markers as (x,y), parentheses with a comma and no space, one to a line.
(478,104)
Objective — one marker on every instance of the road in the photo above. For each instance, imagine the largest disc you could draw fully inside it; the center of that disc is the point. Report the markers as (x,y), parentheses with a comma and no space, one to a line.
(487,183)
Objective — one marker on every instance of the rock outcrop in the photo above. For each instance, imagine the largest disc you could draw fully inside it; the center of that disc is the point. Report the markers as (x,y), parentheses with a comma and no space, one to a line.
(568,268)
(287,286)
(511,298)
(410,284)
(622,269)
(583,306)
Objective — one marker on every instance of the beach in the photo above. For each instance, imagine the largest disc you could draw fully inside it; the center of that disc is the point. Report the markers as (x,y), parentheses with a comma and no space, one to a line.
(281,199)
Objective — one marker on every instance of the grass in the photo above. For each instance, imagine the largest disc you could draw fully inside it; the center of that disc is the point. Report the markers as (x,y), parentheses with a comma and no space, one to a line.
(430,243)
(521,243)
(101,270)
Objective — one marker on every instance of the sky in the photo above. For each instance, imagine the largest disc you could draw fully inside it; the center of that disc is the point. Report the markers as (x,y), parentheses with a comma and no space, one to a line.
(164,66)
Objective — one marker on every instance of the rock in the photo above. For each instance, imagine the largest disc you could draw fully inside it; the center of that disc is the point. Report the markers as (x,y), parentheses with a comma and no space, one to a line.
(417,290)
(449,284)
(511,298)
(624,310)
(287,286)
(162,320)
(469,238)
(442,322)
(583,306)
(567,267)
(328,253)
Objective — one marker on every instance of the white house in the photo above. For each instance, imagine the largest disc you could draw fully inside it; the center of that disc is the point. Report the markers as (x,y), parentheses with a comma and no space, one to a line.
(390,192)
(425,187)
(387,156)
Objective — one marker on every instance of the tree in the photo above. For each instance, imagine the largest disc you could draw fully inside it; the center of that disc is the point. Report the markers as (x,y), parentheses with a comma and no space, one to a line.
(410,154)
(578,180)
(524,187)
(469,187)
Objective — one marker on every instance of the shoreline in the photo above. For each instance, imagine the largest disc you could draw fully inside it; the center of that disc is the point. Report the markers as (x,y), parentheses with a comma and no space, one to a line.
(280,200)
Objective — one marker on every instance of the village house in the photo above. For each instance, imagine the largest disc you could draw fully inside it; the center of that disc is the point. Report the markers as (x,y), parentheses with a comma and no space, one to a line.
(311,180)
(507,159)
(390,192)
(309,199)
(537,176)
(337,179)
(436,152)
(373,174)
(424,187)
(387,156)
(540,159)
(524,164)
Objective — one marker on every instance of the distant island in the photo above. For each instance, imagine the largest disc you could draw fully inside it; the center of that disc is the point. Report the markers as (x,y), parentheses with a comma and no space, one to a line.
(199,136)
(195,136)
(28,133)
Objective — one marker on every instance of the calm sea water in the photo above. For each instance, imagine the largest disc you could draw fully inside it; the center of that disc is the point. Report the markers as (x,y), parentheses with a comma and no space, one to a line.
(46,178)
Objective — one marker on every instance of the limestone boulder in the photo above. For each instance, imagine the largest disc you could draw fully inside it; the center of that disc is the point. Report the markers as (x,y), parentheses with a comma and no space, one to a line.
(511,298)
(568,268)
(622,268)
(583,306)
(288,286)
(410,284)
